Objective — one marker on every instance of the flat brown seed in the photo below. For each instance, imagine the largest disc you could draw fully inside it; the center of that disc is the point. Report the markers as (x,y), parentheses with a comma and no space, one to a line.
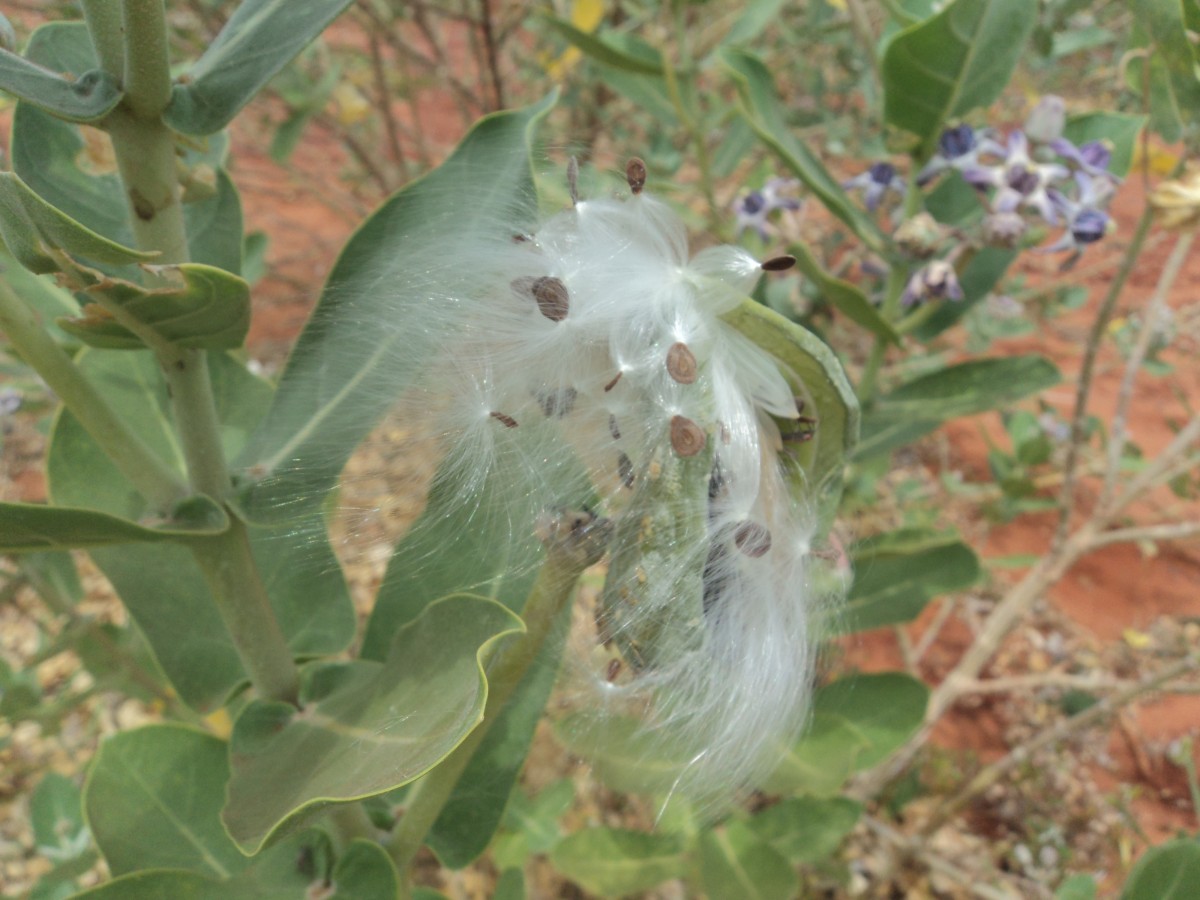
(635,175)
(687,438)
(559,403)
(613,428)
(625,469)
(681,363)
(613,670)
(552,299)
(506,421)
(779,263)
(612,384)
(752,539)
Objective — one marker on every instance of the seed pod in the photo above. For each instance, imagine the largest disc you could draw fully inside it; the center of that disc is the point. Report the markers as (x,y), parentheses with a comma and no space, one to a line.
(635,175)
(506,421)
(779,263)
(681,363)
(687,438)
(552,298)
(752,539)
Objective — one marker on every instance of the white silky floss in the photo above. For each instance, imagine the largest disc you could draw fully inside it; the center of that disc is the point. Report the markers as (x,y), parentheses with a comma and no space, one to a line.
(600,341)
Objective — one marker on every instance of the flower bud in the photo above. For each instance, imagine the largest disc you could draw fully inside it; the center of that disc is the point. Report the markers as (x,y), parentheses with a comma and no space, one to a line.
(1046,120)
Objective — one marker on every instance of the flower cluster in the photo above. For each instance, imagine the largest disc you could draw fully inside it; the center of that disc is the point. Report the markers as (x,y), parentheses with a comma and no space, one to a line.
(753,209)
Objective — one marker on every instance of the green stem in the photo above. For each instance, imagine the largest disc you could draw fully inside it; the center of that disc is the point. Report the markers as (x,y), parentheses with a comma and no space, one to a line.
(147,58)
(145,470)
(104,25)
(565,562)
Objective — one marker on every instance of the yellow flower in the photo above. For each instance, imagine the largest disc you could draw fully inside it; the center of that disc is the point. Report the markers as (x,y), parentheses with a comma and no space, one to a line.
(1178,201)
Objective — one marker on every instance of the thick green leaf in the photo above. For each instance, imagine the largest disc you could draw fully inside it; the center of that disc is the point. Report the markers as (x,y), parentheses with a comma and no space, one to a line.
(342,376)
(31,228)
(762,109)
(56,812)
(1167,872)
(918,407)
(1120,130)
(365,727)
(818,377)
(40,292)
(82,97)
(201,306)
(260,38)
(615,862)
(952,63)
(26,527)
(893,588)
(639,58)
(843,295)
(48,153)
(857,721)
(807,829)
(153,800)
(162,586)
(735,862)
(1077,887)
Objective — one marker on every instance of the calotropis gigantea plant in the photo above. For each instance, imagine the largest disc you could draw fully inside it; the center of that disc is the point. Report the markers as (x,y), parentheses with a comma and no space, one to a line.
(592,390)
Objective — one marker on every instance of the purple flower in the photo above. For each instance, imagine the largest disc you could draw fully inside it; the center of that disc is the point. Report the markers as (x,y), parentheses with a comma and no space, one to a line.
(1092,158)
(934,281)
(753,209)
(1025,183)
(875,183)
(1087,222)
(959,148)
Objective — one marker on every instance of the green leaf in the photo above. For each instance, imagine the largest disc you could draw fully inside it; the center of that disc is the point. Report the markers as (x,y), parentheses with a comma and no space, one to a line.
(1120,130)
(84,97)
(31,228)
(1174,52)
(857,722)
(952,63)
(843,295)
(735,862)
(201,307)
(614,862)
(890,588)
(628,56)
(26,527)
(807,829)
(365,727)
(56,812)
(54,576)
(827,394)
(621,751)
(57,163)
(162,586)
(918,407)
(341,375)
(260,38)
(48,300)
(762,109)
(1168,872)
(510,886)
(1077,887)
(756,17)
(153,800)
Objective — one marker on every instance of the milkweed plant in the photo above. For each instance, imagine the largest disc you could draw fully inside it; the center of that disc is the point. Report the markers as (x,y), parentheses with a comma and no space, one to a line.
(608,401)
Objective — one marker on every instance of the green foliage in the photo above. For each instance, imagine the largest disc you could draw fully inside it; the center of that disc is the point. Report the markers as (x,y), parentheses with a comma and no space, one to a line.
(76,97)
(1167,872)
(613,862)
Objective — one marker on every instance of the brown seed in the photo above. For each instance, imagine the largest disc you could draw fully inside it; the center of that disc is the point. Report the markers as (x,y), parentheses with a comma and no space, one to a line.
(552,299)
(752,539)
(687,438)
(635,175)
(612,384)
(779,263)
(559,403)
(573,180)
(613,670)
(681,363)
(613,428)
(506,421)
(625,469)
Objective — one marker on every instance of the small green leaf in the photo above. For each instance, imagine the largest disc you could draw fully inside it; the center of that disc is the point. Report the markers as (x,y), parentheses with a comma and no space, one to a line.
(1120,130)
(762,109)
(31,228)
(894,587)
(53,575)
(857,722)
(968,388)
(201,307)
(807,829)
(1077,887)
(341,377)
(843,295)
(951,63)
(26,527)
(757,16)
(614,862)
(510,886)
(56,811)
(1168,872)
(639,58)
(260,38)
(153,800)
(735,862)
(622,752)
(365,728)
(85,97)
(46,298)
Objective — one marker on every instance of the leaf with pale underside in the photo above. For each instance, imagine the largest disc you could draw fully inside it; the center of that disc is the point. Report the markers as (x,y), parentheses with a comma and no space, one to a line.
(29,527)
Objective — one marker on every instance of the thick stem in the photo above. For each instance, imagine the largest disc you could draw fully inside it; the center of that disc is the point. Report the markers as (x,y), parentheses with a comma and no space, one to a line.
(152,478)
(104,25)
(567,556)
(147,58)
